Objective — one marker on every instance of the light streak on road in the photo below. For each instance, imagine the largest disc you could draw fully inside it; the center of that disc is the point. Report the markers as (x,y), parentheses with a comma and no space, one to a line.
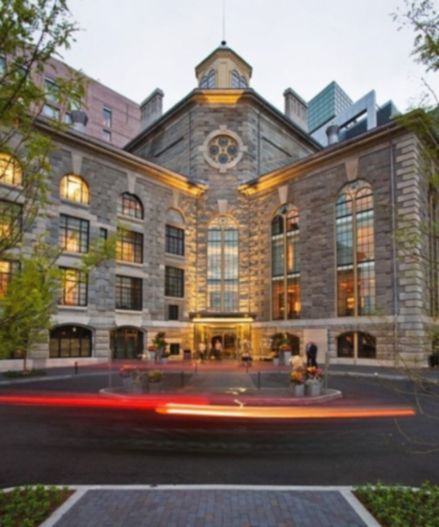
(288,412)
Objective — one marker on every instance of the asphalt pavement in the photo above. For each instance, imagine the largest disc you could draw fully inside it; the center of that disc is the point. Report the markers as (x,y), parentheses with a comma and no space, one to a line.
(195,472)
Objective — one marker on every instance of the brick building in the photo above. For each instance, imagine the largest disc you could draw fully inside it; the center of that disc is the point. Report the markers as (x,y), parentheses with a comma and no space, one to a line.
(234,225)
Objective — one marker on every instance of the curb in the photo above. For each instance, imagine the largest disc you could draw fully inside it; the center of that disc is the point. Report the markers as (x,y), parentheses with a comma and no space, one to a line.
(251,400)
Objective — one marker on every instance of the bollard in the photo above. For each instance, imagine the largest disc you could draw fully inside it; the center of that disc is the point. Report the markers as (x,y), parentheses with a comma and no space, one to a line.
(76,368)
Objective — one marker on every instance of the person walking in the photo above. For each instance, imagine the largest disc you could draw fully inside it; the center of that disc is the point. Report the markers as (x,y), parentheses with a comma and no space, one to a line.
(311,354)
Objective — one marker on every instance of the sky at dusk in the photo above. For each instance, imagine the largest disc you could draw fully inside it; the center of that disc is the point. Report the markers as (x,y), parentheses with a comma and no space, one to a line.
(135,46)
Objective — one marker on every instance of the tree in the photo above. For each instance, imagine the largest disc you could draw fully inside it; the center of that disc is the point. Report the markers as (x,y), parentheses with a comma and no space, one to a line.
(31,296)
(31,33)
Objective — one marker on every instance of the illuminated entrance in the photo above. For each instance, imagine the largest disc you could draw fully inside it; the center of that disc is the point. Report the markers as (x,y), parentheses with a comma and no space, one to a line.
(222,338)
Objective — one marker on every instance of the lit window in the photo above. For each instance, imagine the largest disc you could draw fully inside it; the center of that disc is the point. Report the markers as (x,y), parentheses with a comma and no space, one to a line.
(129,246)
(73,234)
(355,250)
(10,171)
(74,188)
(174,282)
(285,264)
(130,205)
(106,136)
(10,221)
(73,287)
(7,269)
(128,293)
(107,117)
(223,265)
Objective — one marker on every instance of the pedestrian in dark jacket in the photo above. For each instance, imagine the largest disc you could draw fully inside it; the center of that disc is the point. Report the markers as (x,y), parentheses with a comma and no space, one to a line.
(311,354)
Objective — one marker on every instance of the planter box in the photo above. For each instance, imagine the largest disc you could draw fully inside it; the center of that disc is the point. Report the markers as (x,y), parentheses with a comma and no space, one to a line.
(298,389)
(313,389)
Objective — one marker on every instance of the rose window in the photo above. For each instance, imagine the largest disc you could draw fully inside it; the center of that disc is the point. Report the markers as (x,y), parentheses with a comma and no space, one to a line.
(223,149)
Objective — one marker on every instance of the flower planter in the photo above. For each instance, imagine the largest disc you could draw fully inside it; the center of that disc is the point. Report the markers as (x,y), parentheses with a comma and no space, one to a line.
(313,389)
(287,357)
(276,361)
(298,389)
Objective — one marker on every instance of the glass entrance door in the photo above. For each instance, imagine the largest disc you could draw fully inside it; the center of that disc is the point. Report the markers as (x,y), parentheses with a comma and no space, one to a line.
(223,344)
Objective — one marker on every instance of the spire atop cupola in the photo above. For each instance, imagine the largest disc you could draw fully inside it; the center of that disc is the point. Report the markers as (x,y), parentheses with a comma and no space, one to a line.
(223,69)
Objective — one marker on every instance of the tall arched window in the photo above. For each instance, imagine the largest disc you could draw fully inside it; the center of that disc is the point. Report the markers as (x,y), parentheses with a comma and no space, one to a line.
(356,344)
(285,263)
(223,265)
(74,188)
(130,205)
(355,250)
(10,170)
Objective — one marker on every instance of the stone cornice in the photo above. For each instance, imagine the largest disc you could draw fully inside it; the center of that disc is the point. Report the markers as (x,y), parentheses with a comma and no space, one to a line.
(156,173)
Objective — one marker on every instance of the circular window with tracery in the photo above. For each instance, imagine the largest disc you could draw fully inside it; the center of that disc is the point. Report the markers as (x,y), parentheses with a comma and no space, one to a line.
(223,149)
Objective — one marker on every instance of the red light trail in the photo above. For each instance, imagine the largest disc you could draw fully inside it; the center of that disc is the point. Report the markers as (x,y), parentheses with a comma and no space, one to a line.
(198,406)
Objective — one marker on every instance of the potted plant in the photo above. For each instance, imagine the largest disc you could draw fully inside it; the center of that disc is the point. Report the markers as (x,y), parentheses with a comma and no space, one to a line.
(160,344)
(313,382)
(152,351)
(297,382)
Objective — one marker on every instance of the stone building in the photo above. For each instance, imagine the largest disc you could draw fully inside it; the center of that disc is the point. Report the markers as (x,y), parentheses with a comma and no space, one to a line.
(234,225)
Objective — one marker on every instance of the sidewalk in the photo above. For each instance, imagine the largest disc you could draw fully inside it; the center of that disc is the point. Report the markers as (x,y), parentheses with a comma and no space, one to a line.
(211,506)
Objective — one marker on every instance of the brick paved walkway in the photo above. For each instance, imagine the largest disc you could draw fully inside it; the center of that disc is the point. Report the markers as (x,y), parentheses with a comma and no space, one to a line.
(211,508)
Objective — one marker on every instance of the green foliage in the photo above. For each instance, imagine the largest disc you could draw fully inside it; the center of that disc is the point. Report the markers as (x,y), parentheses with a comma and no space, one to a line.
(26,309)
(422,17)
(31,32)
(160,341)
(402,506)
(30,506)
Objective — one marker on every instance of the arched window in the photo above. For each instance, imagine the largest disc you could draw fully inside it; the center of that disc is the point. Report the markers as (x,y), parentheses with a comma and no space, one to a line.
(130,205)
(209,80)
(356,344)
(285,264)
(223,265)
(355,250)
(74,188)
(10,170)
(70,341)
(126,343)
(174,233)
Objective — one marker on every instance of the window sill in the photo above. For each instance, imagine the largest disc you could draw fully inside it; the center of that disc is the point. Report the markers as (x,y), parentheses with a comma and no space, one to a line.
(131,264)
(72,308)
(137,221)
(128,311)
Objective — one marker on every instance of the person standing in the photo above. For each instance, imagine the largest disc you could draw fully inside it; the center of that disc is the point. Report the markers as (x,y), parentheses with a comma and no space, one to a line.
(311,354)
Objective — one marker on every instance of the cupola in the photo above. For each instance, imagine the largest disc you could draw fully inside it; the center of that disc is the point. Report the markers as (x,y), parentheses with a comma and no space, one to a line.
(223,69)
